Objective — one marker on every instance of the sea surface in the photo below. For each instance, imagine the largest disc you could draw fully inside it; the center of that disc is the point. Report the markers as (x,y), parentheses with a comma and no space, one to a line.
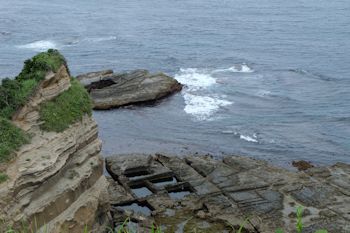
(268,79)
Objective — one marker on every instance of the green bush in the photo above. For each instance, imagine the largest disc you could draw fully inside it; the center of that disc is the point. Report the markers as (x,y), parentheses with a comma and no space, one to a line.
(66,109)
(11,138)
(39,65)
(14,93)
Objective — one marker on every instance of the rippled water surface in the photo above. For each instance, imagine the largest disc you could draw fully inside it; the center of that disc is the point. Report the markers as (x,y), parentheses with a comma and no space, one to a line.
(267,79)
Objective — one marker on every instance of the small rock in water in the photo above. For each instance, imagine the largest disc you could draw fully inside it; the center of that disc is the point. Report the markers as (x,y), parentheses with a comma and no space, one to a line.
(110,90)
(302,165)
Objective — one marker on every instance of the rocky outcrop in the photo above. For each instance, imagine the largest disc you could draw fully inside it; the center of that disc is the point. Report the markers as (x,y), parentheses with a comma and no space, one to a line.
(88,78)
(53,84)
(203,194)
(110,90)
(56,181)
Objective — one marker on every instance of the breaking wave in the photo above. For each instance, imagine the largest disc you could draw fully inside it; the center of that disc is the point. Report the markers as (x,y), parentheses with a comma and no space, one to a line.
(40,46)
(238,68)
(200,104)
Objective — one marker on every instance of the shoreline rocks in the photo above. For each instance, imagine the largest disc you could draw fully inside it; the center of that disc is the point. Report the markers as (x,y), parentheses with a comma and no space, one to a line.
(203,194)
(109,90)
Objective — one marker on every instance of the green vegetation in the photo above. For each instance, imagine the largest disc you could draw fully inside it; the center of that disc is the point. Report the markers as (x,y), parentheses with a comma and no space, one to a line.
(299,225)
(14,93)
(3,177)
(66,109)
(11,138)
(37,67)
(57,114)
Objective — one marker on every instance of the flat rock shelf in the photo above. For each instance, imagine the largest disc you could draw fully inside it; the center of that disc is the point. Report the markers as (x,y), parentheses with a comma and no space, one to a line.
(204,194)
(109,90)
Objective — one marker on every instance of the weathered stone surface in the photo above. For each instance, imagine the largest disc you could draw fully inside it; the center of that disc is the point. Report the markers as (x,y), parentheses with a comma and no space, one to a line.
(87,79)
(56,180)
(53,84)
(202,194)
(111,91)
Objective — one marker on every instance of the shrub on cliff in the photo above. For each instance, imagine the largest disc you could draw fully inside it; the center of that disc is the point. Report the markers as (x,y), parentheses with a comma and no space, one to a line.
(66,109)
(39,65)
(11,138)
(15,92)
(57,114)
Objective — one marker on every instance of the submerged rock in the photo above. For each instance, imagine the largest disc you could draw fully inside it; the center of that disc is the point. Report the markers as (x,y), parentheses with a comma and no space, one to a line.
(202,194)
(110,90)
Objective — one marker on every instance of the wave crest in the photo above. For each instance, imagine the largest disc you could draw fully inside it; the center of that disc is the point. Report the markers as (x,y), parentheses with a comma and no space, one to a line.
(199,103)
(237,68)
(39,46)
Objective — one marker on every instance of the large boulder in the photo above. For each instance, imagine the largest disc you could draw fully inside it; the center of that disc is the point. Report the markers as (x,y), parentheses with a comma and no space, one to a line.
(110,90)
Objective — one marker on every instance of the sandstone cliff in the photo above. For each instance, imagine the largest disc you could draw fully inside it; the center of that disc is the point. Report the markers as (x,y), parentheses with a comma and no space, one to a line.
(56,181)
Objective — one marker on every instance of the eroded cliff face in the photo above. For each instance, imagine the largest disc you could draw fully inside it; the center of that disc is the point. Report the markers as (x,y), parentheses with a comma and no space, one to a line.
(56,180)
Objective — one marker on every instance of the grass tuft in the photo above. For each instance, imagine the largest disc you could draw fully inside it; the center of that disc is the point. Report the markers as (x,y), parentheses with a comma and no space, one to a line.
(11,138)
(67,108)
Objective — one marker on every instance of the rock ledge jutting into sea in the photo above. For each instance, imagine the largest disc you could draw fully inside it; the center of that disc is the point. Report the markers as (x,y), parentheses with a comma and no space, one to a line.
(109,90)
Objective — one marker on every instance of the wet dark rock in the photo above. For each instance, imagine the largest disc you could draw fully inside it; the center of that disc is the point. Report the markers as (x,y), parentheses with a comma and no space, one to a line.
(302,165)
(88,78)
(110,90)
(208,195)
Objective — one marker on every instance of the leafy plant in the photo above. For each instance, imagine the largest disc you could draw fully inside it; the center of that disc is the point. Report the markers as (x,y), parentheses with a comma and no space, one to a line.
(299,225)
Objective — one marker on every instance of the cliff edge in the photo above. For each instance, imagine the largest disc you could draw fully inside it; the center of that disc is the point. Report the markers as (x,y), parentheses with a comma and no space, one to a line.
(55,179)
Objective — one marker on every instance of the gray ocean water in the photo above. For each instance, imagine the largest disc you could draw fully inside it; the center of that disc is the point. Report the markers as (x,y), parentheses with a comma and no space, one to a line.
(268,79)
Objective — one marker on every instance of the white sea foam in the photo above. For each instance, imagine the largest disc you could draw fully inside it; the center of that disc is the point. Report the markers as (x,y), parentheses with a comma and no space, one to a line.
(238,68)
(203,107)
(248,138)
(101,39)
(195,79)
(263,93)
(39,46)
(199,103)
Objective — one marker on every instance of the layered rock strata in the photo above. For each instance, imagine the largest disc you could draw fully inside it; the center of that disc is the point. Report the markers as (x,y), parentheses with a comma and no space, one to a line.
(56,181)
(110,90)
